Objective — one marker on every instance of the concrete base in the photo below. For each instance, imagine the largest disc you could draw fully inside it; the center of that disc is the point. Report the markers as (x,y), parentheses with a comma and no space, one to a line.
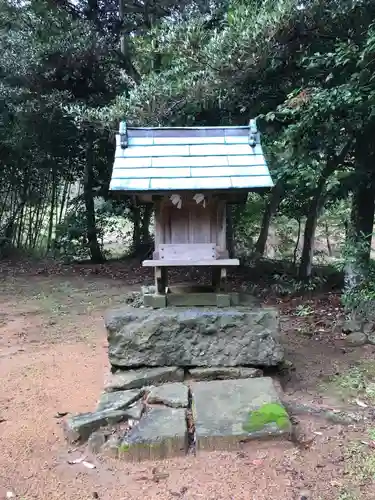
(193,299)
(188,294)
(155,301)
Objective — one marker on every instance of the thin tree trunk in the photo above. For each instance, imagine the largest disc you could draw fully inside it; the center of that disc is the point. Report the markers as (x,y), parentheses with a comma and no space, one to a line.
(269,212)
(329,248)
(42,212)
(88,194)
(20,228)
(136,228)
(316,206)
(230,240)
(145,228)
(51,214)
(295,252)
(65,198)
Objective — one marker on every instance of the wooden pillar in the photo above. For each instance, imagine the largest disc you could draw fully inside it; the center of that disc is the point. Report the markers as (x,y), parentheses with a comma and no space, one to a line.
(219,279)
(161,280)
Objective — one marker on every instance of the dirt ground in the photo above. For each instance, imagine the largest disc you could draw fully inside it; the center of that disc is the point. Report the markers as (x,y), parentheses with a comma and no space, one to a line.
(53,359)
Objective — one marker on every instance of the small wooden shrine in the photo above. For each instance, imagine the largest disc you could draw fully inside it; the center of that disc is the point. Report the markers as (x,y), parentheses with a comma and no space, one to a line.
(190,175)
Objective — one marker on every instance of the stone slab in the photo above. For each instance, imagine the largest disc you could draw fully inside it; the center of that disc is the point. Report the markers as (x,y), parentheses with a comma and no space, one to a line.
(155,301)
(96,442)
(194,299)
(80,427)
(226,412)
(119,400)
(136,379)
(192,337)
(223,300)
(222,373)
(172,395)
(161,433)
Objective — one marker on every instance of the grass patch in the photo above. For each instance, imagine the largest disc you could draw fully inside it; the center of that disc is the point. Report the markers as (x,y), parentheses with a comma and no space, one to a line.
(358,381)
(361,463)
(359,469)
(348,495)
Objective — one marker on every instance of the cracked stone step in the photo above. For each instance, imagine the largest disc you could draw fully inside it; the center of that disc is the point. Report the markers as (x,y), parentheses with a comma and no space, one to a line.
(223,373)
(79,428)
(121,400)
(110,410)
(161,433)
(136,379)
(172,395)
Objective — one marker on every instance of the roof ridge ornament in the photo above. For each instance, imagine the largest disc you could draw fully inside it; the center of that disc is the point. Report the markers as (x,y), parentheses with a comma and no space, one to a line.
(123,135)
(253,132)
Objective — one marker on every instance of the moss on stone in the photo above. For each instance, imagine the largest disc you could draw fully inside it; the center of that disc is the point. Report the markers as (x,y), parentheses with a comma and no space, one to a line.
(124,447)
(270,413)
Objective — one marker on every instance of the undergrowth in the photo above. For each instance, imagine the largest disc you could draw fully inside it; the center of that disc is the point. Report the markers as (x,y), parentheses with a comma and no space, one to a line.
(358,381)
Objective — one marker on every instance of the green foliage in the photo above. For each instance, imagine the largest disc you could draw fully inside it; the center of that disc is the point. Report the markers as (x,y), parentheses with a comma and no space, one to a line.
(303,310)
(64,85)
(270,413)
(247,221)
(359,381)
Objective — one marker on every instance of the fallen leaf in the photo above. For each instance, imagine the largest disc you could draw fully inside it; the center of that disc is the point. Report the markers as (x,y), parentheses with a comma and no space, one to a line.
(89,465)
(257,462)
(318,433)
(61,414)
(361,403)
(157,475)
(77,460)
(335,483)
(161,475)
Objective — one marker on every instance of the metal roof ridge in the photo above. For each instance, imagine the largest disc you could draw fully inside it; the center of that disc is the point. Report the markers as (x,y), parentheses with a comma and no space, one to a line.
(191,128)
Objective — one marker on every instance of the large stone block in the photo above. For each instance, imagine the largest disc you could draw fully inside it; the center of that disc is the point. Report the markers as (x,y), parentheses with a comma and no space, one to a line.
(160,434)
(230,411)
(193,337)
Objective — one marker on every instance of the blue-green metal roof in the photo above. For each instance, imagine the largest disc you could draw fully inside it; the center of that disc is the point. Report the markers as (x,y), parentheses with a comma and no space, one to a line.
(190,158)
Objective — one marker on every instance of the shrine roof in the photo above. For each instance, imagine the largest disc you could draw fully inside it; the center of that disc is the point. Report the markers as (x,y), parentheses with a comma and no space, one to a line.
(189,158)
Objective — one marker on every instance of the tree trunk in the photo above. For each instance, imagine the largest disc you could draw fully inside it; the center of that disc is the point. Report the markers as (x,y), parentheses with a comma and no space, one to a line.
(230,241)
(88,194)
(295,252)
(52,209)
(360,232)
(136,228)
(329,248)
(269,212)
(145,227)
(316,206)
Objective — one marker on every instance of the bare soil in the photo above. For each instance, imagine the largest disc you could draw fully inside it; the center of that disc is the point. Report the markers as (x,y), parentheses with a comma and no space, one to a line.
(53,359)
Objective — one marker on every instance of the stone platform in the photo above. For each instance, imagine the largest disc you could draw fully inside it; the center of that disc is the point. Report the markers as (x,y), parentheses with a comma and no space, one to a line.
(193,337)
(185,378)
(169,419)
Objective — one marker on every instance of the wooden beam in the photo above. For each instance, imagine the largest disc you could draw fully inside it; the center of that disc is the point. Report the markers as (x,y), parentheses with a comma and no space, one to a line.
(192,263)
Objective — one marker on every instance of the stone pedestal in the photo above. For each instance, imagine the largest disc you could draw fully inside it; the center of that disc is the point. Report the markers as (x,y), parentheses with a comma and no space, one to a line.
(193,337)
